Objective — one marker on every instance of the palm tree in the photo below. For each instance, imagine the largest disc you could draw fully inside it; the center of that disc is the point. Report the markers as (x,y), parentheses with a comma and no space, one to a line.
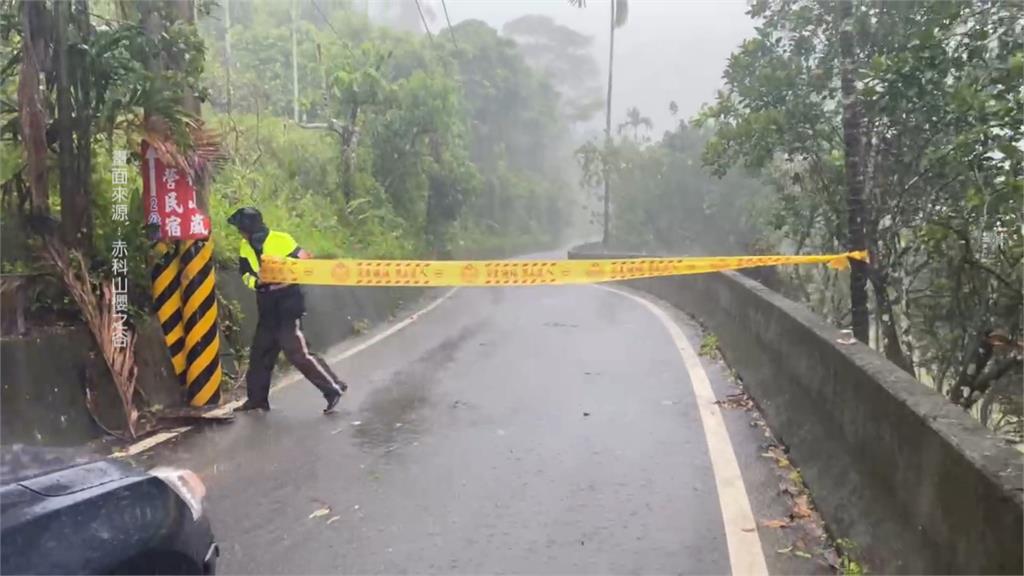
(619,14)
(634,120)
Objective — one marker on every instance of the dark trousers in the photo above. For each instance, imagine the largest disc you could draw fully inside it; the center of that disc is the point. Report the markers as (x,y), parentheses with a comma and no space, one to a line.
(278,329)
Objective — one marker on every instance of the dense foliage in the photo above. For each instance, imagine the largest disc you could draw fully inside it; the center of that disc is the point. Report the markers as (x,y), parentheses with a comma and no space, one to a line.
(401,144)
(406,145)
(78,83)
(665,201)
(939,87)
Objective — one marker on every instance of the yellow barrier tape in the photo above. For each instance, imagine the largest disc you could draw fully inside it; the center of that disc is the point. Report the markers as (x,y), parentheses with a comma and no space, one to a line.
(516,272)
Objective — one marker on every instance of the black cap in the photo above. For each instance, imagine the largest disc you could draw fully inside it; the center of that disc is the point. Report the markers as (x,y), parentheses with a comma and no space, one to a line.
(247,219)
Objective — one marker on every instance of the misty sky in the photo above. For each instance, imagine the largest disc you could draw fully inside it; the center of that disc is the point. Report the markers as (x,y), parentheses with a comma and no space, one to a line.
(668,50)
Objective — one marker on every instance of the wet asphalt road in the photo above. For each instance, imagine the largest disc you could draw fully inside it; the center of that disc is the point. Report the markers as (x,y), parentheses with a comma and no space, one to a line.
(516,430)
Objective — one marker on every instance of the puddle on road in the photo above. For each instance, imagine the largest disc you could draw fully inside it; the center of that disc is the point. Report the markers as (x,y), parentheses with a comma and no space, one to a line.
(394,413)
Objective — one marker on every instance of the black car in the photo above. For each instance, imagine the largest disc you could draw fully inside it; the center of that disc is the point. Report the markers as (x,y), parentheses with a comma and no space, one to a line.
(61,513)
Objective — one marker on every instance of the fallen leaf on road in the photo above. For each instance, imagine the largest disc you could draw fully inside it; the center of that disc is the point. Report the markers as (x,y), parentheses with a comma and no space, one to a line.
(336,431)
(785,550)
(357,423)
(789,487)
(801,509)
(748,529)
(775,523)
(333,519)
(320,512)
(780,457)
(739,400)
(802,554)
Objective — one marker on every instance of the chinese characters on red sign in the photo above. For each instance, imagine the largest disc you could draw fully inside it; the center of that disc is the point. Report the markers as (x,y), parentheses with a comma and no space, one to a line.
(169,200)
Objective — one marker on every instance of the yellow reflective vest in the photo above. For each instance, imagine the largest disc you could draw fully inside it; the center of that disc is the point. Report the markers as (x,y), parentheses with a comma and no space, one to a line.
(276,244)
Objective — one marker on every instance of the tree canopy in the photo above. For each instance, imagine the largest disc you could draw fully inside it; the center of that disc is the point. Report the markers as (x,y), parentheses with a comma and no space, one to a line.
(939,90)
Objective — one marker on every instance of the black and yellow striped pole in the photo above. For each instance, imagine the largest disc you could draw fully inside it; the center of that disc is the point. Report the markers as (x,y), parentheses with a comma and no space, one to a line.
(166,291)
(202,342)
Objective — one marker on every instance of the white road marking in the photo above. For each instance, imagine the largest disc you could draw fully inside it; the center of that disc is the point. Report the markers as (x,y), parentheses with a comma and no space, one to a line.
(294,376)
(746,555)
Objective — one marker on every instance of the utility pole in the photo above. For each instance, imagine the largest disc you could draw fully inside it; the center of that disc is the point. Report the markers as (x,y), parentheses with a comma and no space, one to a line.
(227,50)
(608,128)
(295,71)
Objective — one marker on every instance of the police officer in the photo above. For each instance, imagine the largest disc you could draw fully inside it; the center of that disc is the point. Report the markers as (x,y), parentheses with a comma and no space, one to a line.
(281,307)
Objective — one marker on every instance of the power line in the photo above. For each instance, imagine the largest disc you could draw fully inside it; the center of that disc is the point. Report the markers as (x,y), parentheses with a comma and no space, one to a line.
(449,20)
(324,16)
(424,20)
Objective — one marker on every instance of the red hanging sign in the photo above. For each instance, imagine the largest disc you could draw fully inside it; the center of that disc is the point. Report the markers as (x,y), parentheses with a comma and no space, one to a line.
(169,200)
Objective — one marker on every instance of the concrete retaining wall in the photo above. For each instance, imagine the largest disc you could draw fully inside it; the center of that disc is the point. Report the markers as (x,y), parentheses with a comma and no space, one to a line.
(42,396)
(913,481)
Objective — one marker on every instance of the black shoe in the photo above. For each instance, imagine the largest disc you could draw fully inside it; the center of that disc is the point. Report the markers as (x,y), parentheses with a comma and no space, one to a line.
(248,406)
(332,401)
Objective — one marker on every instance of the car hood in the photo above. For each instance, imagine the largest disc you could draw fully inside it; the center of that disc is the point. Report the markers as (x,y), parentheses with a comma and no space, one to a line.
(19,463)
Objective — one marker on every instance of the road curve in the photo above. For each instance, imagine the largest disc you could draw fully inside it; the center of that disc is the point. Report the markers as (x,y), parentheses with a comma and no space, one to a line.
(513,430)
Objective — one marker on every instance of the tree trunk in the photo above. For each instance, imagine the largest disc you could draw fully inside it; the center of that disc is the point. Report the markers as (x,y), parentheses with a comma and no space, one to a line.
(349,144)
(31,111)
(152,25)
(184,11)
(853,143)
(67,166)
(607,238)
(890,337)
(975,360)
(83,131)
(436,221)
(227,51)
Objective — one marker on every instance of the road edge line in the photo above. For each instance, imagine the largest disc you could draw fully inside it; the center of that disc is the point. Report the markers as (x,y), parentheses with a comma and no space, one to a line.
(161,437)
(746,554)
